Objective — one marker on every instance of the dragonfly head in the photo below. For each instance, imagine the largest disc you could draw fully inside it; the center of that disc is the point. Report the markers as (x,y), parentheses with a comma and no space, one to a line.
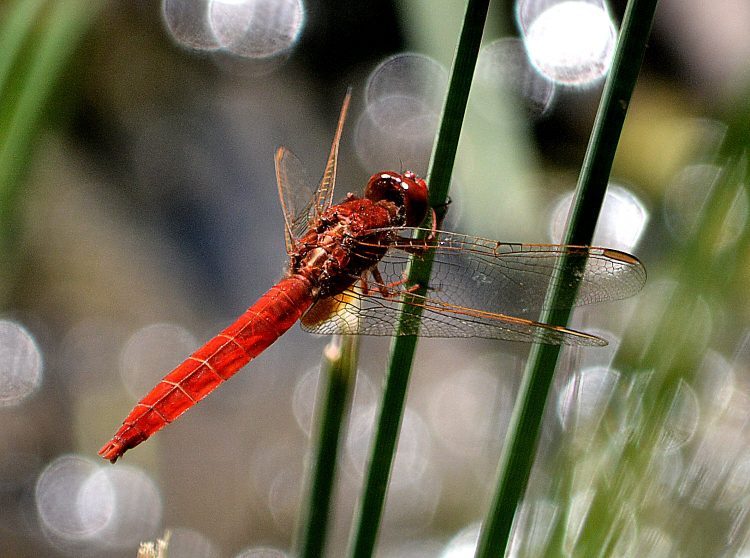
(405,189)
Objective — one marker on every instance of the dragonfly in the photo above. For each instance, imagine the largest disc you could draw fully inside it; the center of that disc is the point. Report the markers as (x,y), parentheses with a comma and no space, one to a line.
(347,274)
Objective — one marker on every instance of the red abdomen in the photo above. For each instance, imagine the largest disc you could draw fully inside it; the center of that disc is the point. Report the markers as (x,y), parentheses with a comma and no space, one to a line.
(219,359)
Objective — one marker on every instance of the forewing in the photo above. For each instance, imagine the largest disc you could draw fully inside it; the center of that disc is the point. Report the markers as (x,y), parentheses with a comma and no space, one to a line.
(478,288)
(324,196)
(512,278)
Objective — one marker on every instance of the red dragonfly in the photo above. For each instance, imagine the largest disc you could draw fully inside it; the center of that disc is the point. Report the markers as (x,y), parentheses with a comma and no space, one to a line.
(347,269)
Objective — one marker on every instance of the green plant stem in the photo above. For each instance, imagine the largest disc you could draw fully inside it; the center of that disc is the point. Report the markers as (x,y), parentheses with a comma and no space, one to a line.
(403,347)
(44,60)
(19,20)
(673,356)
(523,432)
(38,39)
(338,371)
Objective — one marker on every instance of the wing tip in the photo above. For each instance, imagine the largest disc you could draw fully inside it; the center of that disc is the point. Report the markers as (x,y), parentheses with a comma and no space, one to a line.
(621,256)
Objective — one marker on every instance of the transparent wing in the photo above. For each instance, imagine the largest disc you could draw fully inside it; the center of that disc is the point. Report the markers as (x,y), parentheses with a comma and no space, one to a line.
(353,313)
(328,182)
(477,288)
(296,194)
(301,201)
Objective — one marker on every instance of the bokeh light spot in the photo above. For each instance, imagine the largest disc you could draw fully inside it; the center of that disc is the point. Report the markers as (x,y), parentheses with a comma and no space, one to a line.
(264,552)
(187,543)
(130,500)
(503,65)
(459,413)
(303,399)
(21,368)
(152,352)
(403,102)
(682,418)
(56,497)
(533,529)
(685,201)
(82,504)
(572,43)
(256,28)
(414,445)
(463,544)
(187,22)
(284,494)
(622,220)
(584,399)
(244,37)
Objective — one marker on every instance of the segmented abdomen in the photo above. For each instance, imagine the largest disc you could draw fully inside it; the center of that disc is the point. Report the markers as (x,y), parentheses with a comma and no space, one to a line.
(216,361)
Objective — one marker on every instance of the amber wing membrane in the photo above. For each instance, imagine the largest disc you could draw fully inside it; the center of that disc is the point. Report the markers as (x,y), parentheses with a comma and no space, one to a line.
(478,288)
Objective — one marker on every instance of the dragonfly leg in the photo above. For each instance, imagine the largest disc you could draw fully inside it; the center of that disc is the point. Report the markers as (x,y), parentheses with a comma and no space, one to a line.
(419,247)
(363,284)
(433,227)
(438,214)
(387,289)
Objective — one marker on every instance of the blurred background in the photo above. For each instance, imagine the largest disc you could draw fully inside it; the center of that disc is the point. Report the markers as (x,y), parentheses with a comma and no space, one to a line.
(139,216)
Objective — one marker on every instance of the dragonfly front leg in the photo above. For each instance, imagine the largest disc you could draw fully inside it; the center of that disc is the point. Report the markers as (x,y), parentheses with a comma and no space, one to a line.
(387,290)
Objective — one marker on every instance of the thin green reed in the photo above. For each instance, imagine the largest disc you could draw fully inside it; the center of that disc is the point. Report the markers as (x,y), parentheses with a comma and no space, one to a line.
(337,374)
(520,446)
(37,40)
(365,528)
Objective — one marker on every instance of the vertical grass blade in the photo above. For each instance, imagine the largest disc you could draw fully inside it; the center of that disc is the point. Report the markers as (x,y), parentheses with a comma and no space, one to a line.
(338,371)
(365,528)
(19,19)
(37,40)
(518,452)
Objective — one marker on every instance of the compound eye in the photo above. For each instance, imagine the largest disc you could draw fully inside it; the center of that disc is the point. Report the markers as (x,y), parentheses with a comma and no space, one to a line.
(406,190)
(416,194)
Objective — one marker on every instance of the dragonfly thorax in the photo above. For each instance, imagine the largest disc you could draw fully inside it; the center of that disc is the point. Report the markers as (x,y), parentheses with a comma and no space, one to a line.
(331,254)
